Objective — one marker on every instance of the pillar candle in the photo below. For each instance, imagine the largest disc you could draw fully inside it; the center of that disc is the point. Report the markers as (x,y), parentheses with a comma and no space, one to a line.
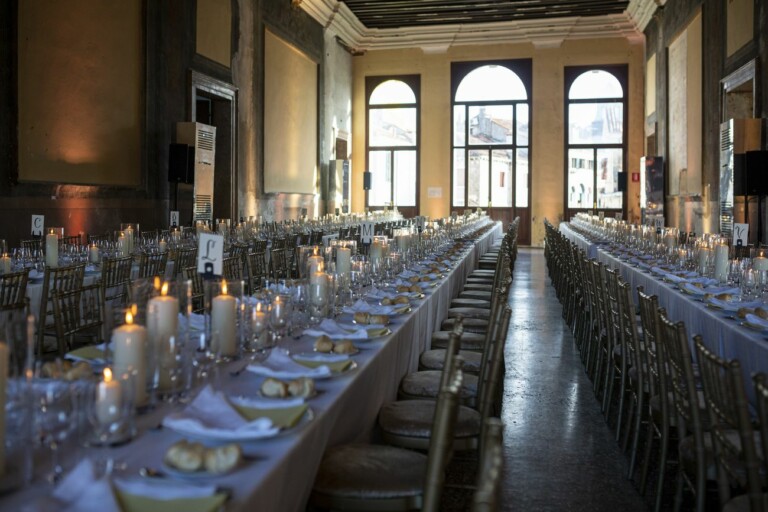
(315,264)
(224,321)
(704,254)
(721,262)
(162,246)
(93,253)
(129,240)
(3,385)
(51,250)
(343,259)
(129,349)
(5,264)
(670,241)
(760,263)
(376,252)
(162,323)
(109,399)
(122,245)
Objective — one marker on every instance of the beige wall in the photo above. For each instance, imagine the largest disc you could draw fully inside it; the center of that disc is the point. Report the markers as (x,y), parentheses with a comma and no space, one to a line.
(740,24)
(547,166)
(214,30)
(80,83)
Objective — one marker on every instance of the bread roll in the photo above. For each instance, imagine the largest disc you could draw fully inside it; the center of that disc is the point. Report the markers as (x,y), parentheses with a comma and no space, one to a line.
(302,387)
(414,279)
(362,318)
(344,347)
(425,279)
(386,301)
(274,388)
(724,296)
(762,313)
(323,344)
(402,299)
(743,312)
(415,288)
(80,370)
(378,319)
(403,289)
(223,459)
(185,456)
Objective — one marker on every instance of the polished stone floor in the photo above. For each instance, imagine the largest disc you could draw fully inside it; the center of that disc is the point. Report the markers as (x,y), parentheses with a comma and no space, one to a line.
(559,453)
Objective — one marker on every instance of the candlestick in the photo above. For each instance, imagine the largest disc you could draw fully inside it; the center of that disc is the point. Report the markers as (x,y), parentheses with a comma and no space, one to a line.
(109,399)
(129,347)
(51,250)
(224,322)
(93,253)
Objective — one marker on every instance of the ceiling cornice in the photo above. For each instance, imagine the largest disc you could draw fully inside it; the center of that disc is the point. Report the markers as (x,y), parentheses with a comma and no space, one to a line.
(336,17)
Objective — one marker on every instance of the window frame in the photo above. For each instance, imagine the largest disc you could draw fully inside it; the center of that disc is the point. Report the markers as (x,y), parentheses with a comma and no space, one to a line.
(523,68)
(570,74)
(414,82)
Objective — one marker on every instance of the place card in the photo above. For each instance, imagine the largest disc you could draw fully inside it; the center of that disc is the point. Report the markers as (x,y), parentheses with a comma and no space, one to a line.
(740,234)
(38,224)
(174,219)
(210,254)
(366,232)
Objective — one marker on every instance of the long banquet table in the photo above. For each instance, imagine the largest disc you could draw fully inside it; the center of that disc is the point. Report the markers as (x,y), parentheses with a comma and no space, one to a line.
(282,469)
(721,331)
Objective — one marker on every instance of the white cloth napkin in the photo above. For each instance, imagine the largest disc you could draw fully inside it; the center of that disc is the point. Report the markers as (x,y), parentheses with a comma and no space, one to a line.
(733,305)
(363,307)
(756,321)
(693,290)
(266,403)
(196,321)
(34,274)
(280,366)
(97,360)
(335,331)
(211,415)
(321,357)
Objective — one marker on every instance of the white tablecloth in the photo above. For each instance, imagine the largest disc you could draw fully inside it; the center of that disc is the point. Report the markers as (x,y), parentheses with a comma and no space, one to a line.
(580,240)
(345,410)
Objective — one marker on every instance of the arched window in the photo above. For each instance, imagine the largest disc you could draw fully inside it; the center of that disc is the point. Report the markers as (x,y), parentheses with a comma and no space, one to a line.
(596,140)
(392,141)
(490,140)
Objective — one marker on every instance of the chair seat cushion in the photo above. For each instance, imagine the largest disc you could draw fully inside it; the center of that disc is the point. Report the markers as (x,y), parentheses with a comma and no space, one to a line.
(435,359)
(469,312)
(414,418)
(687,450)
(741,503)
(476,325)
(478,287)
(469,340)
(475,294)
(371,471)
(472,303)
(426,384)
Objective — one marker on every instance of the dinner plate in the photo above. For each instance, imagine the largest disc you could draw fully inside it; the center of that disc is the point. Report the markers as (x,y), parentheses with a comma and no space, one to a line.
(354,352)
(336,367)
(202,475)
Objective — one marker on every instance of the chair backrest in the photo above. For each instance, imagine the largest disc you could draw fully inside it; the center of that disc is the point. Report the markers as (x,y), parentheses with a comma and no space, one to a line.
(184,257)
(32,245)
(70,240)
(278,264)
(441,441)
(198,303)
(116,279)
(677,352)
(233,269)
(649,318)
(629,336)
(60,279)
(489,380)
(257,269)
(258,245)
(78,311)
(152,264)
(13,290)
(761,397)
(736,456)
(486,497)
(613,312)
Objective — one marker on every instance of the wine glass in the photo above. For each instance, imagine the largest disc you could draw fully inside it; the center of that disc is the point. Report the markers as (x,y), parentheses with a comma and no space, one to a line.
(280,316)
(54,413)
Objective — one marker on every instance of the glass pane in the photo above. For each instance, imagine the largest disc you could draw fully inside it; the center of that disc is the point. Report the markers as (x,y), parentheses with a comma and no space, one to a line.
(595,84)
(392,126)
(477,179)
(595,123)
(459,124)
(405,178)
(580,178)
(522,125)
(380,166)
(501,178)
(491,83)
(609,165)
(521,178)
(392,92)
(490,125)
(458,177)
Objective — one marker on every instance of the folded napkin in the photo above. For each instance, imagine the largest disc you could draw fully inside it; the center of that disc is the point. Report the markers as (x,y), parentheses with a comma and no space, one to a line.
(284,413)
(196,321)
(363,307)
(706,281)
(321,357)
(693,290)
(732,305)
(91,268)
(756,321)
(715,290)
(90,354)
(211,415)
(81,491)
(407,274)
(280,366)
(336,331)
(34,274)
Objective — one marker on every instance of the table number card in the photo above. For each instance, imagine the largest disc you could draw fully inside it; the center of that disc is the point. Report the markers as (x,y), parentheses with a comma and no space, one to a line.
(210,254)
(174,219)
(740,234)
(366,232)
(38,223)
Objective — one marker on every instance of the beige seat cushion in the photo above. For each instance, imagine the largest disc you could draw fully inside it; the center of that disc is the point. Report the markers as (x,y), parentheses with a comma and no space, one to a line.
(469,312)
(478,287)
(426,384)
(435,359)
(371,471)
(476,325)
(414,418)
(475,294)
(471,303)
(469,340)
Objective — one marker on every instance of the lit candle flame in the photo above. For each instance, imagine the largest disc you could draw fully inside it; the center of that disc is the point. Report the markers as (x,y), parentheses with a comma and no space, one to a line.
(107,375)
(156,283)
(164,290)
(134,310)
(224,287)
(128,318)
(258,307)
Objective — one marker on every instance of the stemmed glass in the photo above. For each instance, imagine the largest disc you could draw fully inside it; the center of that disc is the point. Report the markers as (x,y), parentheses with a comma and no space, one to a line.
(280,316)
(54,418)
(300,300)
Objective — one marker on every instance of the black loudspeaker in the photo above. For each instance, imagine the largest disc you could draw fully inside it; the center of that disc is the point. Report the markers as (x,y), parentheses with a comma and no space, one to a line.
(366,181)
(621,184)
(756,167)
(739,174)
(181,163)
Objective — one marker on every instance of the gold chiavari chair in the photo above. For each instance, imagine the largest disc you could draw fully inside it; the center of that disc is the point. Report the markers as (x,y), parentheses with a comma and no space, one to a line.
(116,280)
(79,315)
(278,263)
(378,477)
(259,245)
(32,245)
(13,290)
(487,494)
(257,269)
(55,279)
(70,240)
(232,268)
(95,239)
(183,258)
(198,303)
(152,264)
